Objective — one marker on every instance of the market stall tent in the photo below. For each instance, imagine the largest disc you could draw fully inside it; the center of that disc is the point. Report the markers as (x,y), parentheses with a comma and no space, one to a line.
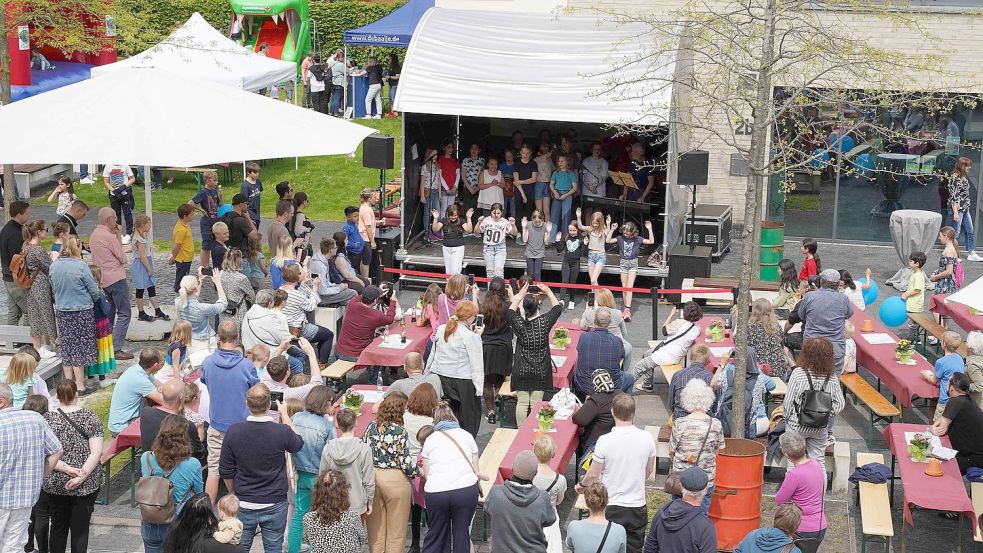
(199,51)
(394,30)
(167,120)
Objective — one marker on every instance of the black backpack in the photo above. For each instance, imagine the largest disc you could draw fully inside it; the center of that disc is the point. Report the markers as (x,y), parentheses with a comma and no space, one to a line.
(725,406)
(815,407)
(317,70)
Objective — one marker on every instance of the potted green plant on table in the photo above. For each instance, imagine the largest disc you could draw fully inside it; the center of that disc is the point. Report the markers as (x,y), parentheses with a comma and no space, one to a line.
(545,418)
(904,350)
(715,330)
(560,338)
(353,401)
(918,448)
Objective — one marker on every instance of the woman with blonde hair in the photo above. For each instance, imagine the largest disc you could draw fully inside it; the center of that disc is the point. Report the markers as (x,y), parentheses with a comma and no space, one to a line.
(455,292)
(450,466)
(587,535)
(176,355)
(765,337)
(239,294)
(40,312)
(458,360)
(553,484)
(197,313)
(75,294)
(283,256)
(394,467)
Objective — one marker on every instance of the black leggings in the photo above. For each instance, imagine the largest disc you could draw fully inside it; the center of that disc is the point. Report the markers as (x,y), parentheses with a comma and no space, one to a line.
(416,521)
(56,515)
(534,266)
(492,383)
(570,272)
(151,292)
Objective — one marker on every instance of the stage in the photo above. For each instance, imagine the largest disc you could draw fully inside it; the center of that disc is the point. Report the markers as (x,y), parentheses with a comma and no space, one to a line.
(419,255)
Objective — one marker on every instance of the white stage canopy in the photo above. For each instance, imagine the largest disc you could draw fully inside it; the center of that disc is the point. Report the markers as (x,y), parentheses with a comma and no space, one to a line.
(533,66)
(199,51)
(154,118)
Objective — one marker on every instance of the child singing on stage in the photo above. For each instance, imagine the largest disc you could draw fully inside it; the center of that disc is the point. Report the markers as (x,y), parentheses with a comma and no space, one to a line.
(573,247)
(535,234)
(629,245)
(493,230)
(596,236)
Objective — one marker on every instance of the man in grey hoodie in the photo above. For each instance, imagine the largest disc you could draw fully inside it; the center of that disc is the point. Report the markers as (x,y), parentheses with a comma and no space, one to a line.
(519,511)
(353,457)
(680,526)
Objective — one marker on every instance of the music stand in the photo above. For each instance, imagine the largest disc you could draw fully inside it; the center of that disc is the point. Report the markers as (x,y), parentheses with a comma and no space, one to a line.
(623,179)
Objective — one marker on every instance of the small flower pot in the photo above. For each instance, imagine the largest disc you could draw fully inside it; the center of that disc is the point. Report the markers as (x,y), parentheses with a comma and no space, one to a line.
(904,357)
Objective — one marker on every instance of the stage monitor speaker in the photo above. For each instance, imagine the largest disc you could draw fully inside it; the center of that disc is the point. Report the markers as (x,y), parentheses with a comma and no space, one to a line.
(686,263)
(386,244)
(378,152)
(693,168)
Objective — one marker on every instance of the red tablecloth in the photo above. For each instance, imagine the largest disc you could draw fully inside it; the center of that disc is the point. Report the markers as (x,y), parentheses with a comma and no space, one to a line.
(130,436)
(563,374)
(365,416)
(904,381)
(375,354)
(958,312)
(565,437)
(942,493)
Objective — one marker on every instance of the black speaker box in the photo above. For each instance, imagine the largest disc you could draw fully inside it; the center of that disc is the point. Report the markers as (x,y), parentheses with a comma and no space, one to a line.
(386,244)
(693,168)
(685,263)
(378,152)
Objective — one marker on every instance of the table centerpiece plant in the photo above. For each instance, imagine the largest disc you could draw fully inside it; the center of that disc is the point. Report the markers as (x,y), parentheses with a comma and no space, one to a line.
(715,330)
(918,448)
(545,418)
(560,338)
(904,350)
(353,401)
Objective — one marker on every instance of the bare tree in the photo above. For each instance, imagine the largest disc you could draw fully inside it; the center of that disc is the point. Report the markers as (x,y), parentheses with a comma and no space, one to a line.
(780,83)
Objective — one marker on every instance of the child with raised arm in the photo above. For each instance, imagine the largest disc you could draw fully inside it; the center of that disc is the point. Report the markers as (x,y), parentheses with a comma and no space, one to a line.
(596,236)
(629,246)
(535,235)
(493,231)
(453,228)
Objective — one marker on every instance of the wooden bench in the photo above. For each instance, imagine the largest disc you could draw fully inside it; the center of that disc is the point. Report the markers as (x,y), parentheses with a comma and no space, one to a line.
(875,506)
(13,337)
(976,492)
(504,393)
(336,372)
(716,282)
(839,451)
(927,325)
(668,371)
(878,406)
(110,451)
(488,463)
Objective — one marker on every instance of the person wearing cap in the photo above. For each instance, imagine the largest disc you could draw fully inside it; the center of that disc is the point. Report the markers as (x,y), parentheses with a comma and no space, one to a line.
(623,460)
(680,526)
(824,314)
(962,420)
(594,416)
(520,512)
(239,223)
(361,320)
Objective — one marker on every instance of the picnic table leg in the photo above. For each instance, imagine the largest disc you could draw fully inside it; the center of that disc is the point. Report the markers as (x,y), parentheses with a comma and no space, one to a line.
(870,432)
(891,499)
(133,475)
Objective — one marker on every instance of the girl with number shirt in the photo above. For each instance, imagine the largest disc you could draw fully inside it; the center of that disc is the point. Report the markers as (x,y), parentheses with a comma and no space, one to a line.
(629,246)
(493,230)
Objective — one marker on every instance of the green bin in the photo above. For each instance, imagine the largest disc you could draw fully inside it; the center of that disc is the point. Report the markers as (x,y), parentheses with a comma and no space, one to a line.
(768,273)
(772,249)
(772,233)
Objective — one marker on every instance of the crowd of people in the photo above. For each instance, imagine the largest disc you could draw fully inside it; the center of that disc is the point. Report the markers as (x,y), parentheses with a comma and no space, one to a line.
(249,439)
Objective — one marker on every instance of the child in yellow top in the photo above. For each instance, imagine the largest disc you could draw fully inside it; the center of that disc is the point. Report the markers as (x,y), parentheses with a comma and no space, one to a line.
(915,295)
(183,251)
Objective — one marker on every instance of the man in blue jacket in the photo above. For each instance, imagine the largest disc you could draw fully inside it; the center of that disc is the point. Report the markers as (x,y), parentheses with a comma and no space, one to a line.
(679,526)
(228,376)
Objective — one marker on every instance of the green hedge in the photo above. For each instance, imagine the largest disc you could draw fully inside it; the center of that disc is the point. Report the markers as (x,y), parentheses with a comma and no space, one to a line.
(142,24)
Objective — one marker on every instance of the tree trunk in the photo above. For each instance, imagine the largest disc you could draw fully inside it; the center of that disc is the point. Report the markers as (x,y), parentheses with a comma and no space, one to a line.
(751,232)
(5,97)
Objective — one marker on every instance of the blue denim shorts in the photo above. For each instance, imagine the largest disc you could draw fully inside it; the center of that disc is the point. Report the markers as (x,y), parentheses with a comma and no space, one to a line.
(542,191)
(596,258)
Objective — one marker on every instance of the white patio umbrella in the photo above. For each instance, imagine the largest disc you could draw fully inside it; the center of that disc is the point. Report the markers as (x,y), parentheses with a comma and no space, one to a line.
(148,117)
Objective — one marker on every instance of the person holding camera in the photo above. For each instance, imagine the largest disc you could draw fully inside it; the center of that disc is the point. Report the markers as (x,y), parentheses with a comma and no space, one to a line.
(361,320)
(458,360)
(532,370)
(196,312)
(302,299)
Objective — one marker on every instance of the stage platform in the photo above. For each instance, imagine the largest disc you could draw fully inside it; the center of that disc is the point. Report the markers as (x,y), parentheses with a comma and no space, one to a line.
(420,256)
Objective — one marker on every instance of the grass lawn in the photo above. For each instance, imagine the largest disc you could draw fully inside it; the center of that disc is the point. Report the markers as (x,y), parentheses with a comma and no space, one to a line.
(331,182)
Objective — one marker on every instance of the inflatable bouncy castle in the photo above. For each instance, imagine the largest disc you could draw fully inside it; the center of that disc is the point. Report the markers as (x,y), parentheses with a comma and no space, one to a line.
(282,25)
(58,68)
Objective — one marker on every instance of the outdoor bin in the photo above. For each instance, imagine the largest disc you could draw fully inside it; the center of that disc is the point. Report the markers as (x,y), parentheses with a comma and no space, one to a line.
(772,249)
(736,506)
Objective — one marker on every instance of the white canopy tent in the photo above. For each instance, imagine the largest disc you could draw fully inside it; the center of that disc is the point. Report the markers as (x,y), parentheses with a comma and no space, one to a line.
(157,118)
(199,51)
(544,67)
(970,295)
(537,66)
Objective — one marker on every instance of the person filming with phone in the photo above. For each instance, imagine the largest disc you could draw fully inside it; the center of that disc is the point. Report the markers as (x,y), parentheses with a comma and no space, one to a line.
(197,313)
(362,319)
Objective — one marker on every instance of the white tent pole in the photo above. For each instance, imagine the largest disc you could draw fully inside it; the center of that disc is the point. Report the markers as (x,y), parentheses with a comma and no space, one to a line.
(243,170)
(296,163)
(405,184)
(148,199)
(344,92)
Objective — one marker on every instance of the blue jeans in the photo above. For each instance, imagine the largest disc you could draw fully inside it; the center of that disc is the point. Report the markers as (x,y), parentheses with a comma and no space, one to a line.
(153,536)
(271,521)
(336,96)
(392,96)
(433,202)
(623,380)
(560,214)
(965,225)
(118,294)
(295,359)
(495,260)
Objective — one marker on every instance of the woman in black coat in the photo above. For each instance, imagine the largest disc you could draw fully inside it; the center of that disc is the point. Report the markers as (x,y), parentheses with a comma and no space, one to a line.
(496,342)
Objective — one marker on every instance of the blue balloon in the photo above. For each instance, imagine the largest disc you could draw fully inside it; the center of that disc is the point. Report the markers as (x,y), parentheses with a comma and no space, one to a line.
(223,209)
(864,164)
(870,294)
(893,312)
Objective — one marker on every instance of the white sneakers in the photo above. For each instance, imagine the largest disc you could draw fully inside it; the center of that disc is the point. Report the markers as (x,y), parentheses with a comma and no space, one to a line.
(571,305)
(126,239)
(87,180)
(46,353)
(973,257)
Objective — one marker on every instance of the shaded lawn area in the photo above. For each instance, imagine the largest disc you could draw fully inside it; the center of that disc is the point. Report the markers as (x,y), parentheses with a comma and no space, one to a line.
(331,182)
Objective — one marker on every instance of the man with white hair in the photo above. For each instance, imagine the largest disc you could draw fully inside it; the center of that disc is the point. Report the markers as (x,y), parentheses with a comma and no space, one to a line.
(824,314)
(29,450)
(107,254)
(679,526)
